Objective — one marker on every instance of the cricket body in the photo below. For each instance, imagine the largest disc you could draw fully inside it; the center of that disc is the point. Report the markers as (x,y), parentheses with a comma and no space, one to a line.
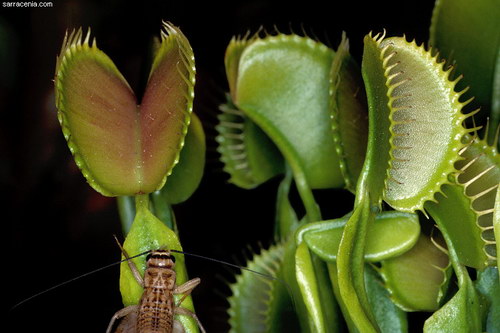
(156,309)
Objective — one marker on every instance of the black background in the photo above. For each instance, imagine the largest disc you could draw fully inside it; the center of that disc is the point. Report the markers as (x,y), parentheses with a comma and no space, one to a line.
(57,227)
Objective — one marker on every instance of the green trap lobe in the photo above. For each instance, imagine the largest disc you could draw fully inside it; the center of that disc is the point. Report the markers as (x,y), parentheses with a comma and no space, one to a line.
(101,111)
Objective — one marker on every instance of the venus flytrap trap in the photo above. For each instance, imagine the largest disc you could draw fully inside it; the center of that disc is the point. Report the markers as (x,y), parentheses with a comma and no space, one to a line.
(348,113)
(110,135)
(465,208)
(247,153)
(418,279)
(462,312)
(184,180)
(467,35)
(125,149)
(415,135)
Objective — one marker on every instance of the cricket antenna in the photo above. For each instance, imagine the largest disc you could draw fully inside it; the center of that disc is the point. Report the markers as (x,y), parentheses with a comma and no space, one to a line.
(268,276)
(74,279)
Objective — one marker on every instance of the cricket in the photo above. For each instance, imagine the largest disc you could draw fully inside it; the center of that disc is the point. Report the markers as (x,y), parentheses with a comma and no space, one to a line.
(156,309)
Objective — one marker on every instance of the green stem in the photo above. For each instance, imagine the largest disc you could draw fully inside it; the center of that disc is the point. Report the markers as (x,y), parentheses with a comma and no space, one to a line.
(313,212)
(350,266)
(286,218)
(126,210)
(163,210)
(141,202)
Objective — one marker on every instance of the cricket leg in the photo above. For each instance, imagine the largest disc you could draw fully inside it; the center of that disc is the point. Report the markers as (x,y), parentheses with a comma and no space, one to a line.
(186,312)
(120,314)
(128,324)
(131,264)
(186,288)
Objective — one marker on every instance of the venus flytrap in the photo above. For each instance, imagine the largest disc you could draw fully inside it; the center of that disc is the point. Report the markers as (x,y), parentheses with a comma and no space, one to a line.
(392,234)
(111,136)
(249,157)
(394,132)
(125,149)
(185,178)
(465,208)
(415,135)
(417,149)
(348,113)
(462,312)
(287,86)
(496,224)
(418,279)
(467,35)
(278,82)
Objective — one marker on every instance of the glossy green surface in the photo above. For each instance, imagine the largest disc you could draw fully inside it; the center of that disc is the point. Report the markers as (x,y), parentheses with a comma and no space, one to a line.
(390,318)
(315,293)
(391,234)
(462,313)
(425,119)
(349,114)
(466,33)
(283,86)
(417,279)
(496,223)
(487,284)
(350,265)
(187,174)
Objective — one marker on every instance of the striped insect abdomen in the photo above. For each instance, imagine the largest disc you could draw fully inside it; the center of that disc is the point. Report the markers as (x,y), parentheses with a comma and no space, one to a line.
(156,311)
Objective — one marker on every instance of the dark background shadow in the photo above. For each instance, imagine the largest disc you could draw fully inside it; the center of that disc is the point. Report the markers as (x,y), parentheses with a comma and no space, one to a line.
(58,227)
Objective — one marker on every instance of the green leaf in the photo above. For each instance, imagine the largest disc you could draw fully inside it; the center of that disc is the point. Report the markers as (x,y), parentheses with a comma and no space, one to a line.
(418,279)
(283,86)
(286,218)
(120,147)
(187,174)
(462,313)
(149,233)
(390,318)
(488,285)
(466,33)
(315,288)
(290,277)
(392,234)
(350,266)
(349,114)
(496,223)
(126,210)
